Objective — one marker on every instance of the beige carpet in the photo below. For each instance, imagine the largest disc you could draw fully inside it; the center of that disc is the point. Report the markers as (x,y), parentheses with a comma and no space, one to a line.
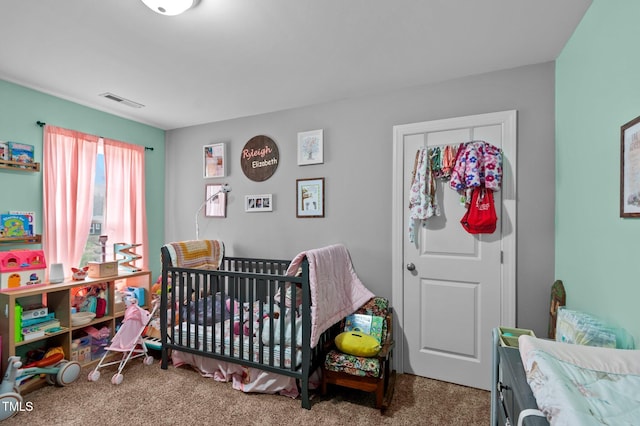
(180,396)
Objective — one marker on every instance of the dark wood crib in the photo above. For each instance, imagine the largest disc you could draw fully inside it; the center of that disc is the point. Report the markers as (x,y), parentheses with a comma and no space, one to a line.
(238,313)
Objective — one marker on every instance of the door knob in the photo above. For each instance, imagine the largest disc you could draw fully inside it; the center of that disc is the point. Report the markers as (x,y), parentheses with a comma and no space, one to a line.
(411,267)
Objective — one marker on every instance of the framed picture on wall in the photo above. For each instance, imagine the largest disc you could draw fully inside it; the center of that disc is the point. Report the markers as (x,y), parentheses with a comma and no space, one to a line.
(258,203)
(216,205)
(310,147)
(214,160)
(630,169)
(310,197)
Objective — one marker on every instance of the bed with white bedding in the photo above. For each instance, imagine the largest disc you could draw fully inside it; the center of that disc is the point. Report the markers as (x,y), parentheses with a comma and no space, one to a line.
(582,385)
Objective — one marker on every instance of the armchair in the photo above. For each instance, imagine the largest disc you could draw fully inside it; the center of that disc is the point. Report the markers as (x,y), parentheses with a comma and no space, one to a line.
(369,374)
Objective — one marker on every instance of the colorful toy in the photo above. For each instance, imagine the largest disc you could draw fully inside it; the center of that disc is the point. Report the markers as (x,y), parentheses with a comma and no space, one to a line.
(129,256)
(21,268)
(58,371)
(103,247)
(80,274)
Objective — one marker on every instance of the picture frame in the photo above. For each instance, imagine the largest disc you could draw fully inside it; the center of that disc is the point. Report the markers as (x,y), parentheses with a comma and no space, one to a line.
(215,205)
(310,147)
(310,198)
(258,203)
(214,160)
(630,168)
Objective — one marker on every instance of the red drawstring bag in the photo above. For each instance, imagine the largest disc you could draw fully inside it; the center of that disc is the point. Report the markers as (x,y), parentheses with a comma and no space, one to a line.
(480,217)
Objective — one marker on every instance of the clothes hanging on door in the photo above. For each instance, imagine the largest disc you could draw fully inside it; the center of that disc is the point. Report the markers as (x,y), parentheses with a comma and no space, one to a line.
(469,165)
(480,217)
(476,175)
(422,195)
(478,164)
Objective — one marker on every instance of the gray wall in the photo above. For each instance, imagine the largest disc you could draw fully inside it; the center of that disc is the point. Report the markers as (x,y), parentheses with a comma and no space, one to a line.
(357,171)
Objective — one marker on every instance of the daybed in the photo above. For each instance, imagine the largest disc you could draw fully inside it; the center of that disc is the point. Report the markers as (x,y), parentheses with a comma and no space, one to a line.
(261,323)
(565,384)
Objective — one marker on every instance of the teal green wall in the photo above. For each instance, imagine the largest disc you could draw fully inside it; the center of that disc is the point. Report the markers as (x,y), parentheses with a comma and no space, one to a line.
(20,108)
(597,91)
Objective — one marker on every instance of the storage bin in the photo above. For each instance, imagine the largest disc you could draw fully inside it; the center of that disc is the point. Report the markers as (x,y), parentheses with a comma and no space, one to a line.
(98,350)
(509,336)
(81,349)
(102,269)
(84,354)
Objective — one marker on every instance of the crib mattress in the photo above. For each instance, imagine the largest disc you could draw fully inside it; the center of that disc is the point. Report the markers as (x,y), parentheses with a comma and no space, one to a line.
(243,349)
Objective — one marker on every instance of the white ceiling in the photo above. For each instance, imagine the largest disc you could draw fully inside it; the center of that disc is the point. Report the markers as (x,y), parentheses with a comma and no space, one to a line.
(232,58)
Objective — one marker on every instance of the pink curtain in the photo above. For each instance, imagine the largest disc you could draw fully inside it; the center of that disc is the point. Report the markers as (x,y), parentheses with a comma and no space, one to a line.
(125,210)
(69,161)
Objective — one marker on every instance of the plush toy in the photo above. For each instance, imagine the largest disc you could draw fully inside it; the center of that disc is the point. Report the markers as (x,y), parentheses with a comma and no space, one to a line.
(80,274)
(357,343)
(156,288)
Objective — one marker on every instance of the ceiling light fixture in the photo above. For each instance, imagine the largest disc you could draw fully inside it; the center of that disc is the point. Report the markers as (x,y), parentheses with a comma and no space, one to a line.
(170,7)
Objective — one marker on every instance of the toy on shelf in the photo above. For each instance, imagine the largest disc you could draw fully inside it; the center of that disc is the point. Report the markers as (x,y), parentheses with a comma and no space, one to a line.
(21,268)
(103,247)
(58,371)
(129,256)
(80,274)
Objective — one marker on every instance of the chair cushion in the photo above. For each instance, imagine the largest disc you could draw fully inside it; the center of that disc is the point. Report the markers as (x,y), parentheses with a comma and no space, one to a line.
(351,364)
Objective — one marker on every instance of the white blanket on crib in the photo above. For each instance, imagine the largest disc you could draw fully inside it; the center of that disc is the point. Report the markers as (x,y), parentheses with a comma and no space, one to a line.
(336,290)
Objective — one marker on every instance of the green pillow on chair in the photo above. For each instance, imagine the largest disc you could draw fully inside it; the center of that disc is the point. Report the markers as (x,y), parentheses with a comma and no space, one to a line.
(357,343)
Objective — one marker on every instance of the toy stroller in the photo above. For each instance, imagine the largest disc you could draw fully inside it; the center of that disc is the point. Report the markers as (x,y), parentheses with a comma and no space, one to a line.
(128,341)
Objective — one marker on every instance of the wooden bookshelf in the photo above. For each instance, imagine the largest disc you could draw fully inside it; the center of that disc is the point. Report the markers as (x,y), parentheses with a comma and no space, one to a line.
(58,299)
(32,239)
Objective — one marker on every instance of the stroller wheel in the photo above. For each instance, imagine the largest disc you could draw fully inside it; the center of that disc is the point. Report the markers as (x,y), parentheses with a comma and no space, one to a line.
(51,379)
(94,376)
(148,360)
(117,379)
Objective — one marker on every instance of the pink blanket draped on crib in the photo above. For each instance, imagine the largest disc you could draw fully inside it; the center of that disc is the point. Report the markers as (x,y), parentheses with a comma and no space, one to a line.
(336,290)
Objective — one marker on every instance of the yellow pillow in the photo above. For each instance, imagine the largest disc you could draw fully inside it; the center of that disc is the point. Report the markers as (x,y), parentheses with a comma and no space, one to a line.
(357,343)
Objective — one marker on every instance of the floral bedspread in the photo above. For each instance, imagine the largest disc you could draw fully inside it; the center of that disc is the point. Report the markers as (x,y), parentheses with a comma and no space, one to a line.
(583,385)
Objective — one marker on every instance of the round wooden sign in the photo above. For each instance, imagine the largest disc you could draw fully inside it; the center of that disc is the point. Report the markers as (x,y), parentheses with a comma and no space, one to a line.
(259,158)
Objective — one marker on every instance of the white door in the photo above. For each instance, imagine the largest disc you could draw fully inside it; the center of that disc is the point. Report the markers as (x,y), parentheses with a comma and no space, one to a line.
(451,287)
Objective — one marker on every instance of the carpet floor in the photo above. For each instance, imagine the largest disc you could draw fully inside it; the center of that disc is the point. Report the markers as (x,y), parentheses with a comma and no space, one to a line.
(180,396)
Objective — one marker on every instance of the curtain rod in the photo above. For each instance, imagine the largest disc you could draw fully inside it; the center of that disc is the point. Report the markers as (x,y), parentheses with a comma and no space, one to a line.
(42,124)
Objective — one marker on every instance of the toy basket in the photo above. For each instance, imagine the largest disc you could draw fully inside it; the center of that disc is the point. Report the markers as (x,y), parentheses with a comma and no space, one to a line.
(509,336)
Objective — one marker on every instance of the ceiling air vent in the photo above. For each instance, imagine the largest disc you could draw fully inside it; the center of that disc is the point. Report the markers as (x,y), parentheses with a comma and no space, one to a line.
(121,100)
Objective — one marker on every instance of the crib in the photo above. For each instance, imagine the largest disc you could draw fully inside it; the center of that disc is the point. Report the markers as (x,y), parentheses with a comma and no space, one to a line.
(247,312)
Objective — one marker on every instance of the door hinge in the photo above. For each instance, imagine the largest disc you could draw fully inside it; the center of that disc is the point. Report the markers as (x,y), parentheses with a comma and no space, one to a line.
(501,256)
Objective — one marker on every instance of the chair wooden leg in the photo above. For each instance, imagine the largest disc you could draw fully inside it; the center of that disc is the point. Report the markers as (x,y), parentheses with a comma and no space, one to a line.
(380,394)
(323,387)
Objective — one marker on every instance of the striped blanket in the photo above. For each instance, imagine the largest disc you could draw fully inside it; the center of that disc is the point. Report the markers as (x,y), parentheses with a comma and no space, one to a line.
(200,254)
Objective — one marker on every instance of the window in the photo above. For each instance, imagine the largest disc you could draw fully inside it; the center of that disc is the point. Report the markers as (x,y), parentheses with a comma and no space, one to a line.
(93,249)
(92,187)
